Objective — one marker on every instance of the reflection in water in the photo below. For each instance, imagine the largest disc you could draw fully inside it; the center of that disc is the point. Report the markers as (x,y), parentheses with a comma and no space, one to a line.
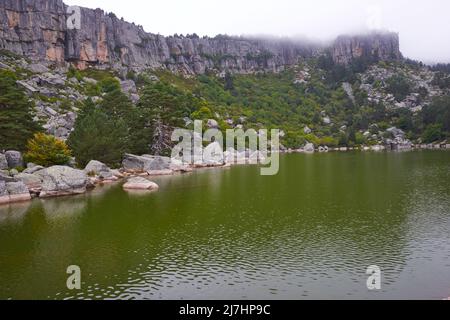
(309,232)
(64,208)
(10,213)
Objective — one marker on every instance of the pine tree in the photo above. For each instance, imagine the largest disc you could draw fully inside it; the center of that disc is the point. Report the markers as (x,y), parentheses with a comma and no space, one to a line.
(98,137)
(16,114)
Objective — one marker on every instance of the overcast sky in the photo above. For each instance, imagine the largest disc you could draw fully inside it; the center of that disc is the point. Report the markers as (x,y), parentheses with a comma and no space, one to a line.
(424,25)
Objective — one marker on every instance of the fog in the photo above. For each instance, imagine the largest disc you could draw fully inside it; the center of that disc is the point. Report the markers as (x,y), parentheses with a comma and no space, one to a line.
(424,26)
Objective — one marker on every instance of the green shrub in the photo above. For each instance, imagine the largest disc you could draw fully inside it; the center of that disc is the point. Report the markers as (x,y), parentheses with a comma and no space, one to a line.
(433,133)
(46,150)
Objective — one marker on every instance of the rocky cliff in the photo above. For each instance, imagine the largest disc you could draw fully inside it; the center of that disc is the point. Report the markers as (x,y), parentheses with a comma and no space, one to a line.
(382,46)
(38,29)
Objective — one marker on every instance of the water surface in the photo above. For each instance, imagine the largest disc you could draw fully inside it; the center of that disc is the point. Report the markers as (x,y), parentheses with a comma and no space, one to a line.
(309,232)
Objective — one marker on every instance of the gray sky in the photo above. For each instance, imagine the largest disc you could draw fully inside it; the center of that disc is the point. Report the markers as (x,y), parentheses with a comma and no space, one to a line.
(424,25)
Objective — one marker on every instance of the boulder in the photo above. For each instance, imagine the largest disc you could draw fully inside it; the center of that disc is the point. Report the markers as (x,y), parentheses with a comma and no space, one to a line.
(212,124)
(32,181)
(128,86)
(136,163)
(14,159)
(62,181)
(158,163)
(177,165)
(309,148)
(145,163)
(139,183)
(3,162)
(99,168)
(52,79)
(37,68)
(397,133)
(116,173)
(6,177)
(33,169)
(17,191)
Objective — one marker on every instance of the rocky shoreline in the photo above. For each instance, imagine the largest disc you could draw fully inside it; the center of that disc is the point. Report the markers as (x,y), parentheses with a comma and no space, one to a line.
(38,182)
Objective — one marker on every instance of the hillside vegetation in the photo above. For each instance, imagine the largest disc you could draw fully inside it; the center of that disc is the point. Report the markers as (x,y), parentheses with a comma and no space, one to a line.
(314,102)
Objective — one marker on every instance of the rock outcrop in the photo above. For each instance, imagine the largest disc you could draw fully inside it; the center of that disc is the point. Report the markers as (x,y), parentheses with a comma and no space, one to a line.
(38,29)
(379,46)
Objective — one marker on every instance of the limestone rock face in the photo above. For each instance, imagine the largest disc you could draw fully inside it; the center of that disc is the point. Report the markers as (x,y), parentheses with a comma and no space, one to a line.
(38,29)
(383,46)
(61,181)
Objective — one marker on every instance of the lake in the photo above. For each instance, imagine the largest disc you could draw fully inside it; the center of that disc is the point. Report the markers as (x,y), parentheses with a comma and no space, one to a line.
(309,232)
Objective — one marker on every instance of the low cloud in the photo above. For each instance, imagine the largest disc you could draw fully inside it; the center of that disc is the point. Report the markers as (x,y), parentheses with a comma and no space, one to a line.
(424,26)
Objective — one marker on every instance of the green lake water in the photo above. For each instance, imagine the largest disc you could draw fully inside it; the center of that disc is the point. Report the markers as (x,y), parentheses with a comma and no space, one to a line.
(309,232)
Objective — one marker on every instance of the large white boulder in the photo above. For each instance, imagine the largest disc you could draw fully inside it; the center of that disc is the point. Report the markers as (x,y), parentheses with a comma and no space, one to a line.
(309,148)
(100,169)
(62,181)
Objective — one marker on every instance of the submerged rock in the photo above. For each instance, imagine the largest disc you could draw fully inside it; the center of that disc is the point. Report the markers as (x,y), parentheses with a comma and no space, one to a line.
(139,183)
(62,181)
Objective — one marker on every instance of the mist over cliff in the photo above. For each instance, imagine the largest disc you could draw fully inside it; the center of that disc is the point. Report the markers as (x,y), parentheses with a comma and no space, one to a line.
(38,29)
